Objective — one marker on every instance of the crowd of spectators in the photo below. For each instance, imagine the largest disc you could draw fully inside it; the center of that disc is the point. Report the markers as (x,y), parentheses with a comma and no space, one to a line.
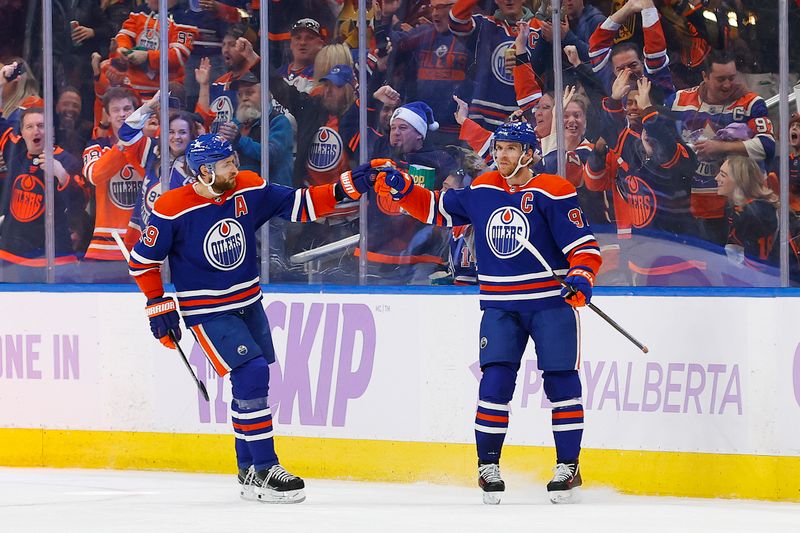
(669,140)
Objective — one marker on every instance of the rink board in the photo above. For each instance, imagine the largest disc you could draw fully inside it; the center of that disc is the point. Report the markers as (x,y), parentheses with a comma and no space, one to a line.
(383,387)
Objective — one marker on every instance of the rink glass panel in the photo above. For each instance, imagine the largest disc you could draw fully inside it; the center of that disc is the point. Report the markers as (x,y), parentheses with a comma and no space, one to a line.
(400,250)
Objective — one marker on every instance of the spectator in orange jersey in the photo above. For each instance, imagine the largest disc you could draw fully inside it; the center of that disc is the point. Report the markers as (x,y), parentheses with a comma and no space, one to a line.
(116,184)
(138,45)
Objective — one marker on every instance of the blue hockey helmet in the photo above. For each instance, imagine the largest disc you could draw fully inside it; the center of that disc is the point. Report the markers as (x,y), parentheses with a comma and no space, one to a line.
(207,149)
(517,132)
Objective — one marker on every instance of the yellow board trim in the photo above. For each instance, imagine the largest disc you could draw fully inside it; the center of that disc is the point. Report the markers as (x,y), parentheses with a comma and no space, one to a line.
(701,475)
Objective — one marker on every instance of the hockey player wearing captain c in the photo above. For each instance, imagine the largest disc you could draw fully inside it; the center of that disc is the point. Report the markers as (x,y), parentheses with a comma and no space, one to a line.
(519,297)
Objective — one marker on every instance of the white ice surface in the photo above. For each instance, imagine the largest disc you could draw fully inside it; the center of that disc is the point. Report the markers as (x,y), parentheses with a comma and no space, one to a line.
(48,500)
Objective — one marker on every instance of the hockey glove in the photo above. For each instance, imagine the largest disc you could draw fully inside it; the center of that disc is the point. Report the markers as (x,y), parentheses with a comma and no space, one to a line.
(164,318)
(578,291)
(356,182)
(398,183)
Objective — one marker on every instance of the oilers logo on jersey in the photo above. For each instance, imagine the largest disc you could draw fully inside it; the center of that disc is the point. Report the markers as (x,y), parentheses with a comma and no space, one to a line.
(502,227)
(326,150)
(27,198)
(499,63)
(224,245)
(222,107)
(148,40)
(642,200)
(123,188)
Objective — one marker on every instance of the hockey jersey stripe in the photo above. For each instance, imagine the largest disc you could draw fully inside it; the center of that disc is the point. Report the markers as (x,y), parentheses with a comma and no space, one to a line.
(576,243)
(310,206)
(143,261)
(523,287)
(447,217)
(219,292)
(216,301)
(236,305)
(518,278)
(512,297)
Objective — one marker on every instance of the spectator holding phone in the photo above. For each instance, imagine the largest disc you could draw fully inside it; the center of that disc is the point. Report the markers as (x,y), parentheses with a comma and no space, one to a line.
(18,85)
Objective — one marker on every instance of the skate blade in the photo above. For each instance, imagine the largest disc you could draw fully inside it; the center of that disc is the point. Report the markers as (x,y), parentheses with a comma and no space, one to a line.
(289,496)
(492,498)
(248,495)
(565,496)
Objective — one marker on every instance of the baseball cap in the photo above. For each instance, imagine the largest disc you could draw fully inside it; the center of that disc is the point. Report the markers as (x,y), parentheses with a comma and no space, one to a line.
(247,77)
(339,75)
(307,24)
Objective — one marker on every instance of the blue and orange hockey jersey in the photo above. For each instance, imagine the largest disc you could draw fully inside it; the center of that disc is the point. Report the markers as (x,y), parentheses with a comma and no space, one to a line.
(211,243)
(489,38)
(544,210)
(696,116)
(656,64)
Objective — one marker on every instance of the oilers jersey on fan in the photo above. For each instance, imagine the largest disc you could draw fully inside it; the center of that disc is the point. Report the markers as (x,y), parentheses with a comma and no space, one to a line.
(462,260)
(697,117)
(118,181)
(143,150)
(489,37)
(544,211)
(656,63)
(211,243)
(222,103)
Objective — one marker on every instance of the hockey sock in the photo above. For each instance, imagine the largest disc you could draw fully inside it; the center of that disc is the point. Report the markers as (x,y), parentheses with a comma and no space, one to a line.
(243,457)
(252,416)
(563,389)
(491,418)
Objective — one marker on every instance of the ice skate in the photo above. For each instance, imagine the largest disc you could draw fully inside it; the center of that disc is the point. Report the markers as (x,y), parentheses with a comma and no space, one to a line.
(567,477)
(246,487)
(273,485)
(491,483)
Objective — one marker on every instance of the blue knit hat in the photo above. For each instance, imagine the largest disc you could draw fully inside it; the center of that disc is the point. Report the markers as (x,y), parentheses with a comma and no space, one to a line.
(419,115)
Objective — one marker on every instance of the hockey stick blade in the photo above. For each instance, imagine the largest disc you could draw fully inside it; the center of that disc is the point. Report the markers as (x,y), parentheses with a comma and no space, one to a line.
(200,386)
(542,261)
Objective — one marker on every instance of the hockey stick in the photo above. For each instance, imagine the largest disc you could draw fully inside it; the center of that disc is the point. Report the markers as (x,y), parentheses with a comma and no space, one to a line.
(200,386)
(532,249)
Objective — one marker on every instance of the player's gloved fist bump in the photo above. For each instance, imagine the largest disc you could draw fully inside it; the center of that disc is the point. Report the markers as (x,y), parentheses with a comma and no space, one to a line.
(163,315)
(356,182)
(580,280)
(399,183)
